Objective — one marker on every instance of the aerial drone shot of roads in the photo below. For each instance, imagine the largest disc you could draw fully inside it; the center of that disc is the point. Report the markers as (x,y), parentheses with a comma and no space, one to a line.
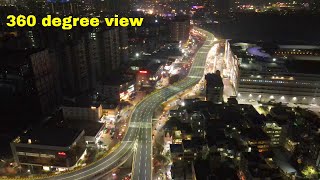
(159,89)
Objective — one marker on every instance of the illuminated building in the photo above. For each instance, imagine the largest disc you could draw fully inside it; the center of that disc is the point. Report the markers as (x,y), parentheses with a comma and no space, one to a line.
(49,148)
(297,51)
(143,78)
(64,7)
(273,130)
(179,30)
(198,125)
(257,139)
(116,89)
(288,76)
(232,63)
(177,137)
(148,76)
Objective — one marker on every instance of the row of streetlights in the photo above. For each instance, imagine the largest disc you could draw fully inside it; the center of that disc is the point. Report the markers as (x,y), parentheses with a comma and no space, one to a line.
(272,97)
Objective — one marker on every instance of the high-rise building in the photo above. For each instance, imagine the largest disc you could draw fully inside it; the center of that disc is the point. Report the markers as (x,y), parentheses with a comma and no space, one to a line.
(64,7)
(35,7)
(104,51)
(179,29)
(214,88)
(31,76)
(84,61)
(124,45)
(75,68)
(110,47)
(94,56)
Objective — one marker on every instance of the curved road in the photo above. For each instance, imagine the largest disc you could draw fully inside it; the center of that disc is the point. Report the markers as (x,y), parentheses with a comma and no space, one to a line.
(139,134)
(142,169)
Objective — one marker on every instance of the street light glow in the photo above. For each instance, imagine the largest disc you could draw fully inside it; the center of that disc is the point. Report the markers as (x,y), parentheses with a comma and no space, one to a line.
(183,103)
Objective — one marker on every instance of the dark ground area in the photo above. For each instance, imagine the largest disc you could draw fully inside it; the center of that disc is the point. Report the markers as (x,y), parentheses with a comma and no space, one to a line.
(293,28)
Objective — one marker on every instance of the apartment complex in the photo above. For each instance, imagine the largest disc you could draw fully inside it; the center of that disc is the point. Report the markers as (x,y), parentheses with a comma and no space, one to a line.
(179,29)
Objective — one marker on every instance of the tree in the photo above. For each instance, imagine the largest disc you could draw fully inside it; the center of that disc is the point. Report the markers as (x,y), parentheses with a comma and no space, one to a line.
(310,172)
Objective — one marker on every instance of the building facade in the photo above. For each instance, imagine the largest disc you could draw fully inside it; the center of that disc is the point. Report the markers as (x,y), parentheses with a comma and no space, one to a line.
(274,131)
(49,148)
(286,74)
(92,113)
(115,92)
(179,30)
(32,76)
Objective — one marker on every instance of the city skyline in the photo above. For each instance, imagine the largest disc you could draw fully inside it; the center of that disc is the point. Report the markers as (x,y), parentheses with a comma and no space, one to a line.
(200,90)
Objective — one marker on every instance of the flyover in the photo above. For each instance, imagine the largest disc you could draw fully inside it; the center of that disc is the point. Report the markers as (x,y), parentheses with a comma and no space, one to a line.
(138,139)
(143,114)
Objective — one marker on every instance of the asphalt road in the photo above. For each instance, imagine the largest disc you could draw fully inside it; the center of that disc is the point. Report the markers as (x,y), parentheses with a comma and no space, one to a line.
(139,135)
(143,114)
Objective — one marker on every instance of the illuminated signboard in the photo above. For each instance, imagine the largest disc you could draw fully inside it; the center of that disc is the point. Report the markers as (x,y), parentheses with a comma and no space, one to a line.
(143,72)
(62,154)
(197,7)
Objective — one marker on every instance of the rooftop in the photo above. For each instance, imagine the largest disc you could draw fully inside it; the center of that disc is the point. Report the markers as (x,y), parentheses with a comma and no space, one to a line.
(260,60)
(176,148)
(62,137)
(116,79)
(80,101)
(90,128)
(256,134)
(204,170)
(214,80)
